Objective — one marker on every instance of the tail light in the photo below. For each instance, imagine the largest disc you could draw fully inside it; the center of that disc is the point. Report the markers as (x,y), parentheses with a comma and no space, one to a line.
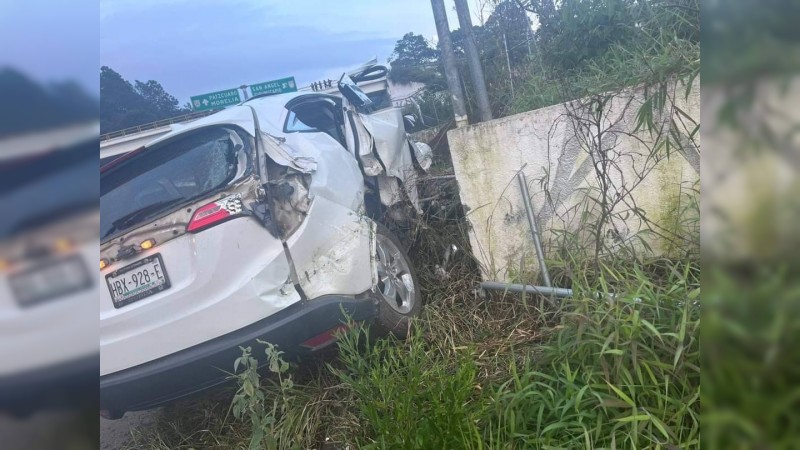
(215,213)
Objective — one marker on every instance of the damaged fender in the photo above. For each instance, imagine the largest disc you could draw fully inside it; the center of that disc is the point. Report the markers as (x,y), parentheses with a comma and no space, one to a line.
(319,212)
(392,148)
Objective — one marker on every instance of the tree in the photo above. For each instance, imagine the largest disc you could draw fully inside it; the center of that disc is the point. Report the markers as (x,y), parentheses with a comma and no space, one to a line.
(414,60)
(572,32)
(154,94)
(508,27)
(124,105)
(29,106)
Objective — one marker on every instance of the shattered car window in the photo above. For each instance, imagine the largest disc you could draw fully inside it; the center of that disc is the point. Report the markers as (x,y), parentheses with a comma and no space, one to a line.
(167,177)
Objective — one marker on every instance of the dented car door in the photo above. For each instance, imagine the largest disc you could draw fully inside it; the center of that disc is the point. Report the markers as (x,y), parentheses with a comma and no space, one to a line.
(317,199)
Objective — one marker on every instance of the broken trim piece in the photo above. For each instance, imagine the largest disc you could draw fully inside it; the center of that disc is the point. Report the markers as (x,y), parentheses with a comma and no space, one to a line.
(286,156)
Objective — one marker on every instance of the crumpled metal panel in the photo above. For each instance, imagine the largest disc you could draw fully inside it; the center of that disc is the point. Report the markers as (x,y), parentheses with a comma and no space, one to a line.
(423,154)
(332,251)
(365,141)
(286,155)
(386,128)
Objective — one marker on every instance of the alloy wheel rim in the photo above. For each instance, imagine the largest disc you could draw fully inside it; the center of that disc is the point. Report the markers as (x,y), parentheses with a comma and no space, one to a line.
(395,284)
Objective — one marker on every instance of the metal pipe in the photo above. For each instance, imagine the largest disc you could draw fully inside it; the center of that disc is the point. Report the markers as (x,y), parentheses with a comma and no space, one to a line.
(537,244)
(547,291)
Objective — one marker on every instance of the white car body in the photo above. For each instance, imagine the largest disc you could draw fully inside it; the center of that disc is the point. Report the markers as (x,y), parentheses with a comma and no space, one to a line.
(48,278)
(315,240)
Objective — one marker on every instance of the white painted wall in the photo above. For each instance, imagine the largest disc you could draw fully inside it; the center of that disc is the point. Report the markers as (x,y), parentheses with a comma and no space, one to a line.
(486,157)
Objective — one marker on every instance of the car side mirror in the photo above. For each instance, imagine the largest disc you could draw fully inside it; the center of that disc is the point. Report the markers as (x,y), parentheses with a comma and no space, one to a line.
(352,92)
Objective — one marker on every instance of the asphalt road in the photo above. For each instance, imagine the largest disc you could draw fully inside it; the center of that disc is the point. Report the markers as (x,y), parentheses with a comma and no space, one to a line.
(69,430)
(116,434)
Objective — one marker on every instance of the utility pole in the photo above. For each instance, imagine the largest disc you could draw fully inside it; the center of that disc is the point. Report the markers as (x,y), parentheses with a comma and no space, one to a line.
(508,63)
(474,61)
(450,69)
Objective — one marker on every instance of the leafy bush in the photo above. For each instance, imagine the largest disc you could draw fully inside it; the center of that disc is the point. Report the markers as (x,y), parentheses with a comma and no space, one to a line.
(250,400)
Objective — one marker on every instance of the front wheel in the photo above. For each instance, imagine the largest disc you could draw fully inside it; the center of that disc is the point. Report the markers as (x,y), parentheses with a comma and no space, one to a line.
(399,298)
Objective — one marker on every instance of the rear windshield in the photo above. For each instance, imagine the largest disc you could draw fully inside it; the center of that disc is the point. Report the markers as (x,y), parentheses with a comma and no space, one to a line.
(165,177)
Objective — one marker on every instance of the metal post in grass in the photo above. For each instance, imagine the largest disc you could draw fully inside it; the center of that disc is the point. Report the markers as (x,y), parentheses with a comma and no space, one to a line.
(537,243)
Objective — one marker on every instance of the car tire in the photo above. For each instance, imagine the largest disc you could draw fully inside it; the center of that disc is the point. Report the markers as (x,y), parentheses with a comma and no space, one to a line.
(397,291)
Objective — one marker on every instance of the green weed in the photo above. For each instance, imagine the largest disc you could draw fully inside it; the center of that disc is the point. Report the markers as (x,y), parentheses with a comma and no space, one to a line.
(622,371)
(408,396)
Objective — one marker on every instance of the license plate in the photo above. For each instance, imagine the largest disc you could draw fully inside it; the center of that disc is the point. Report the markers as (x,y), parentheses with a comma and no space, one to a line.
(50,280)
(137,281)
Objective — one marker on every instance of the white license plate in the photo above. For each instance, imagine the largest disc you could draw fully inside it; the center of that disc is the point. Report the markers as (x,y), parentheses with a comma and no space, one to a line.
(50,280)
(138,280)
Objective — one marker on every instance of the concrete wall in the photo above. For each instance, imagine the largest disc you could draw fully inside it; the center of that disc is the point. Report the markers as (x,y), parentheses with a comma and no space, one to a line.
(557,147)
(751,178)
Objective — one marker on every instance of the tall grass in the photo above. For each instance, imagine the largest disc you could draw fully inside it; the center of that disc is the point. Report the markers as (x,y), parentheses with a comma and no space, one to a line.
(622,371)
(751,398)
(617,366)
(408,396)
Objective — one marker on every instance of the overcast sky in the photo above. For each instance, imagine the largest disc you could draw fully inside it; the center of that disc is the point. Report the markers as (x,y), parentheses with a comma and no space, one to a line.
(197,46)
(51,40)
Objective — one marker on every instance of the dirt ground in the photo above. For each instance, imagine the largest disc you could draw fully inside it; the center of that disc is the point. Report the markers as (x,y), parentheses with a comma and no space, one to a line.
(116,434)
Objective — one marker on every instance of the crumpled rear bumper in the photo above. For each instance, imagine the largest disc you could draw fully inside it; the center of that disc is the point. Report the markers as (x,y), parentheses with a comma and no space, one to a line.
(208,364)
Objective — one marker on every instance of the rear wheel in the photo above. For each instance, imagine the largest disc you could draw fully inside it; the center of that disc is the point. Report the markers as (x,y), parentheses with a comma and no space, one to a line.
(398,288)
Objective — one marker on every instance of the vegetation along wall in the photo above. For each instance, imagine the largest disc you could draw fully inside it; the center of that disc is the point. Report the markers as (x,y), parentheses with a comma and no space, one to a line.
(612,173)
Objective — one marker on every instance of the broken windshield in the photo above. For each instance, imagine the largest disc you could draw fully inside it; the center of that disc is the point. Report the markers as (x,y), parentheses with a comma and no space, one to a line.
(167,176)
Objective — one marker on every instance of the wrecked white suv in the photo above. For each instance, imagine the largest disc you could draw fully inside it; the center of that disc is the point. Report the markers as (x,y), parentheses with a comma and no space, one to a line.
(252,223)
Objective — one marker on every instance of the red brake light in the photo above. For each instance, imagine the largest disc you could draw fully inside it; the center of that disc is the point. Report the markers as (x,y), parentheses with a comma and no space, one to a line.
(215,213)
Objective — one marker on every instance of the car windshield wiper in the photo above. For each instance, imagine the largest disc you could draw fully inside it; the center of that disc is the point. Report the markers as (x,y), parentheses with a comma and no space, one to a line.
(139,215)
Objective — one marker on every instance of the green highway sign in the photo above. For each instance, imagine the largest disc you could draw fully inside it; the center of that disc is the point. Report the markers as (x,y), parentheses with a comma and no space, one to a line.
(216,100)
(274,86)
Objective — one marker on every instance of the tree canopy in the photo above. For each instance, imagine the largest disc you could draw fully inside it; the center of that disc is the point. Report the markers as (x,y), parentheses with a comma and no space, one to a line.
(577,47)
(124,105)
(414,60)
(29,106)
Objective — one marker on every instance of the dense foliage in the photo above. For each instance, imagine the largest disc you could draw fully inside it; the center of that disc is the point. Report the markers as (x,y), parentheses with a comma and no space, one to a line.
(30,106)
(572,49)
(124,105)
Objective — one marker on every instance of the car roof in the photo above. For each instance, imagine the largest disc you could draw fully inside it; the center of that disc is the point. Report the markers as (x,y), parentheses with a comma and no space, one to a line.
(269,109)
(241,116)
